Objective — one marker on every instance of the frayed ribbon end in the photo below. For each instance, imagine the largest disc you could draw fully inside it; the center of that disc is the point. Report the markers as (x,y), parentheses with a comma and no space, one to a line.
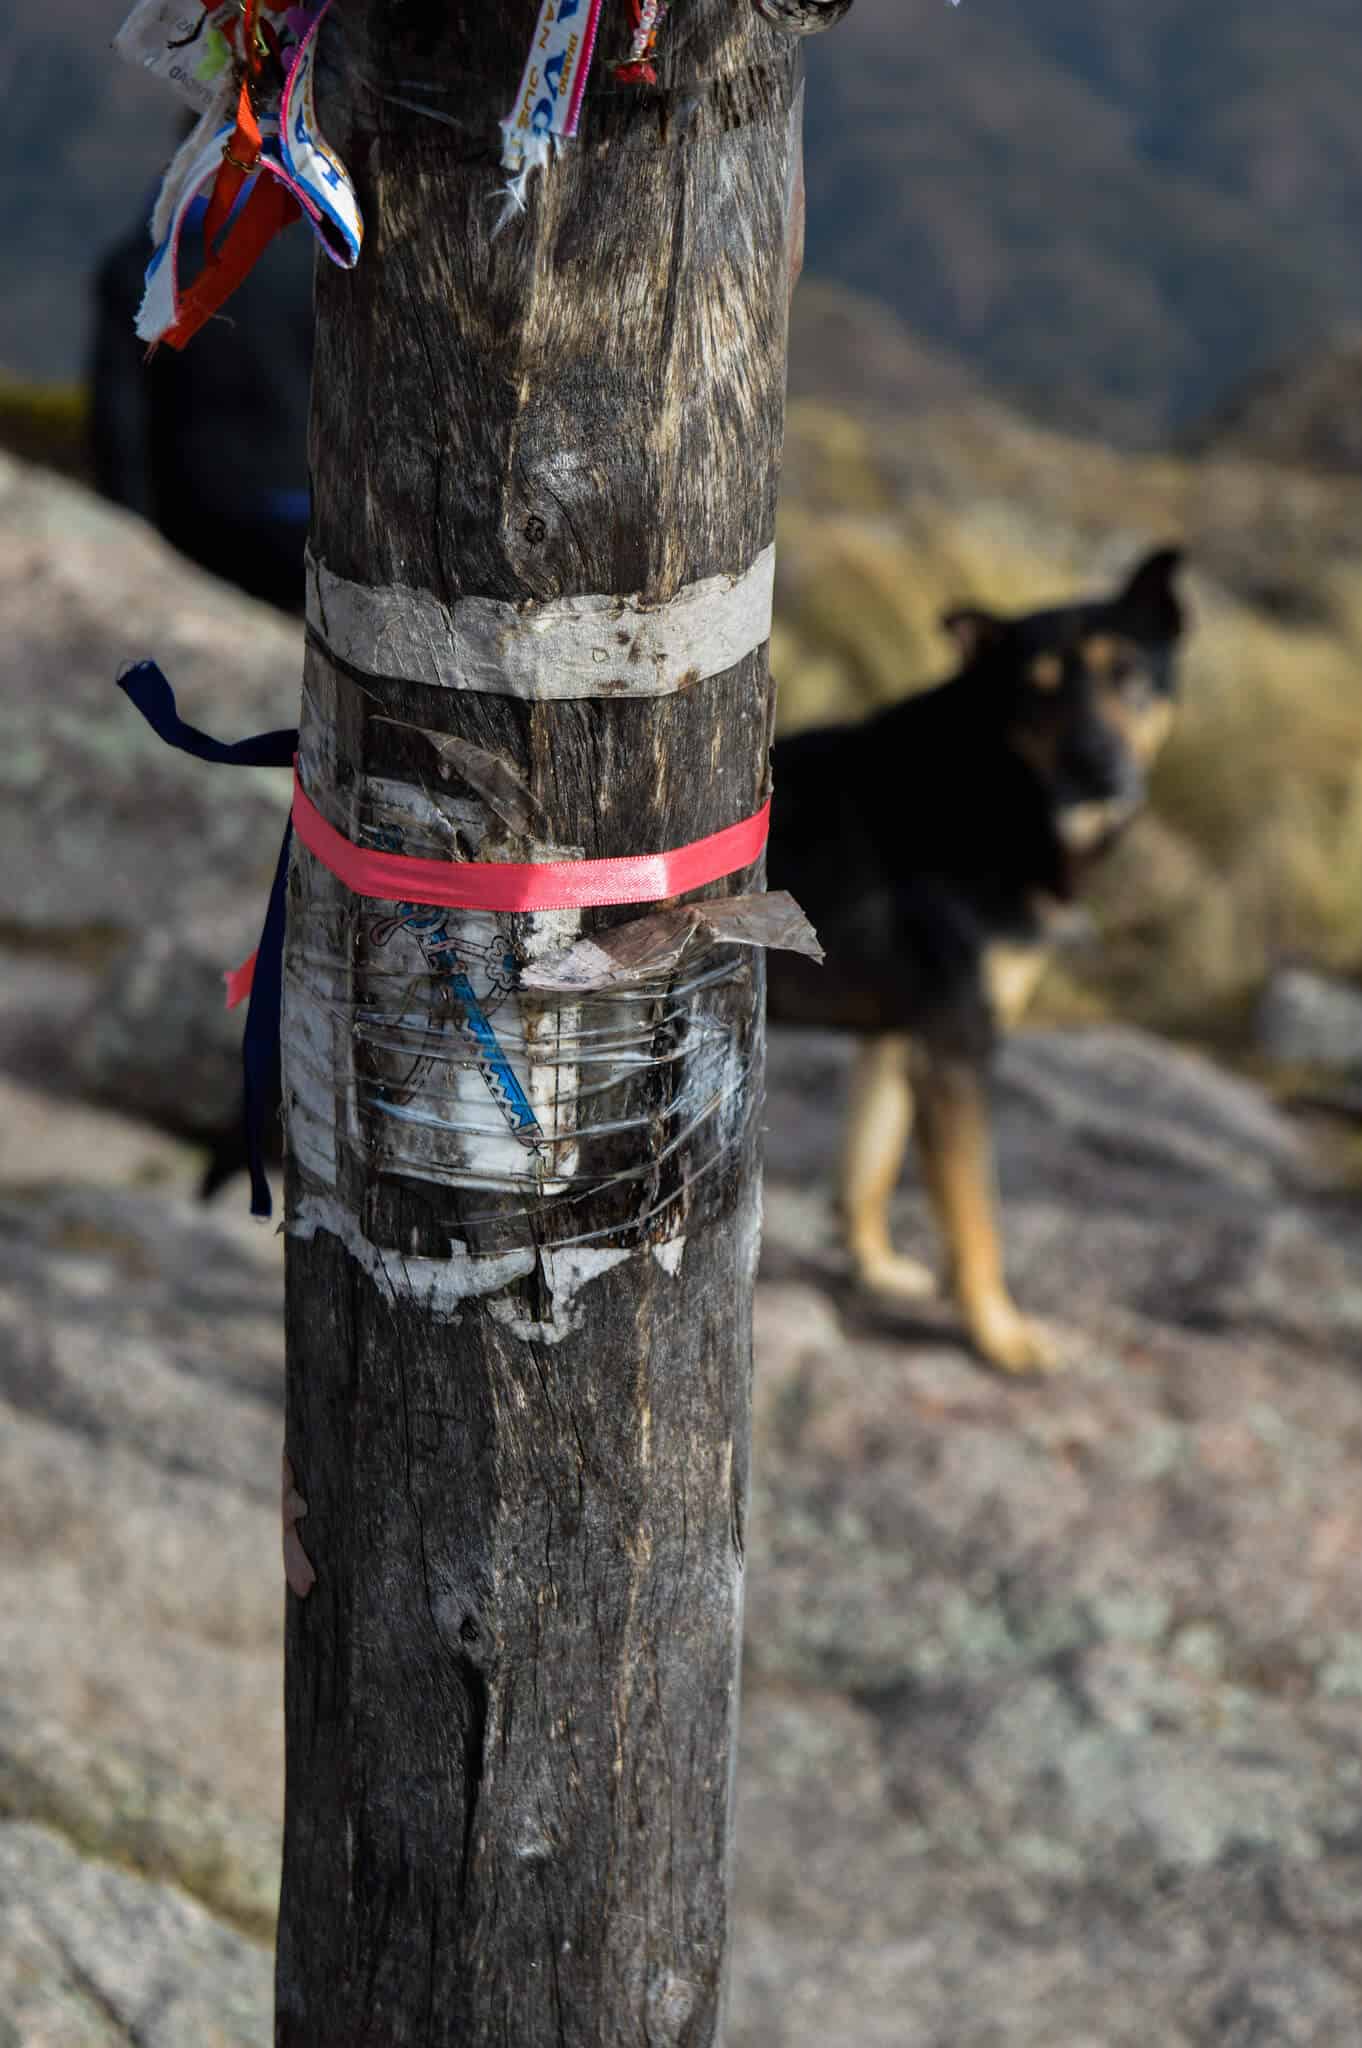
(521,154)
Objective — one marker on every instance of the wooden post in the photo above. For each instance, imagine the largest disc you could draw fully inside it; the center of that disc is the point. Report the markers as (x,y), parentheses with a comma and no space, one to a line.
(518,1373)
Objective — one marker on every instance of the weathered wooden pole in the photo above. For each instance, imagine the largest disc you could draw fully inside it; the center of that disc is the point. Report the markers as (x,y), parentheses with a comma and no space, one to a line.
(522,1228)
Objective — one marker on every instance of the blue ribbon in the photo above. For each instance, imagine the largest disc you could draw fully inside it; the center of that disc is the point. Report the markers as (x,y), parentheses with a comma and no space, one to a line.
(147,689)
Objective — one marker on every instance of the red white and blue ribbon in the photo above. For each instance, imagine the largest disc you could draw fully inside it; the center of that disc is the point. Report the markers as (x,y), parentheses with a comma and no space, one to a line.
(316,172)
(549,103)
(291,155)
(159,314)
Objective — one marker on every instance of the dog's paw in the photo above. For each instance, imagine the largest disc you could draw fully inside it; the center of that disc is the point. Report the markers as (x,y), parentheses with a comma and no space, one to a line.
(895,1278)
(1009,1340)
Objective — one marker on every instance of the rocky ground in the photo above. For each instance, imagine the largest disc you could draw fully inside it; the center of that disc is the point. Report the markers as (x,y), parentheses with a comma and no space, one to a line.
(1052,1689)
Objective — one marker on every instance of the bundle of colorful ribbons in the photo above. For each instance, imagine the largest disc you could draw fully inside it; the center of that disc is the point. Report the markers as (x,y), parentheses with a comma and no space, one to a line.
(255,155)
(256,159)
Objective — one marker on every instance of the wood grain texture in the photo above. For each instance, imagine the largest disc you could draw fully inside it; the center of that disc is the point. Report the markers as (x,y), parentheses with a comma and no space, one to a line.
(802,17)
(512,1692)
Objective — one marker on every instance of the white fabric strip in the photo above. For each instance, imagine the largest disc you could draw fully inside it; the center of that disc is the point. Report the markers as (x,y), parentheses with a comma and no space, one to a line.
(569,647)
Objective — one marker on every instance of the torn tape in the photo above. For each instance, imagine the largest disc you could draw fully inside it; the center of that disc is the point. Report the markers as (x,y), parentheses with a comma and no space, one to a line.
(406,1040)
(491,778)
(593,646)
(445,1286)
(654,945)
(298,1568)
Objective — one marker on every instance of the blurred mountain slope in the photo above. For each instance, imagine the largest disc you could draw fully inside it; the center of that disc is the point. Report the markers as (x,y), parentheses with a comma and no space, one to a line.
(1112,213)
(85,137)
(1306,411)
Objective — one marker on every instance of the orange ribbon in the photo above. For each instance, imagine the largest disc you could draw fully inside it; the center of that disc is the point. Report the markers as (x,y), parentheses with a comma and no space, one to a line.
(268,210)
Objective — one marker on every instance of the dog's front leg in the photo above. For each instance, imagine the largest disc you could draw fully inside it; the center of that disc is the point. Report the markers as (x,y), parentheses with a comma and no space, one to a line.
(879,1120)
(957,1161)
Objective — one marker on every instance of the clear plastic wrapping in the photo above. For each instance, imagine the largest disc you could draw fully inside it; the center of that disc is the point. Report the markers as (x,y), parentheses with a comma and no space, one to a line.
(418,1046)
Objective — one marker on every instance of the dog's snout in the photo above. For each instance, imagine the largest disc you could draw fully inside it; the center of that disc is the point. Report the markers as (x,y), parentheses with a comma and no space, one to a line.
(1096,766)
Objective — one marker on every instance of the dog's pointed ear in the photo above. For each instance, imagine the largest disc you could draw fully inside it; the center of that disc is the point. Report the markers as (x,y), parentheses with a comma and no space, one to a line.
(973,630)
(1149,599)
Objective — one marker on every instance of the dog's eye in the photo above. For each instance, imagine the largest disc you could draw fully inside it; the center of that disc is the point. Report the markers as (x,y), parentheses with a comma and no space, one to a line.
(1132,680)
(1046,672)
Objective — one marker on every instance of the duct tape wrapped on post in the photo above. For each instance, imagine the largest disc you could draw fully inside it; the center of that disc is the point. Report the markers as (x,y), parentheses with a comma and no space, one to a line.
(448,1018)
(457,1011)
(505,1050)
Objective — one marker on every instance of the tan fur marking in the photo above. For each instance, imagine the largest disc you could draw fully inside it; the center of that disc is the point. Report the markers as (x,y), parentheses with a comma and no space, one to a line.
(1085,828)
(879,1119)
(1103,652)
(1142,724)
(958,1167)
(1142,728)
(1046,672)
(1148,730)
(1013,974)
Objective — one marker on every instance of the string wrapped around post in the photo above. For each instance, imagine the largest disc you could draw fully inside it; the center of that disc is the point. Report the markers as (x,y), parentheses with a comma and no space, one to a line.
(470,970)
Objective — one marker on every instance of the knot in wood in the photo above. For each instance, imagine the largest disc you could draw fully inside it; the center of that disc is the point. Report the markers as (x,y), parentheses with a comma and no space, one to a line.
(802,17)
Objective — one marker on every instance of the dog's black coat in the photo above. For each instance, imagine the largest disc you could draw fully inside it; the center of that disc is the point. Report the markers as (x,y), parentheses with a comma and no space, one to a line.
(919,837)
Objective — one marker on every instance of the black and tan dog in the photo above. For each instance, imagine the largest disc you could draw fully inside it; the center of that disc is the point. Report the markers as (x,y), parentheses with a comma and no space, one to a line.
(932,846)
